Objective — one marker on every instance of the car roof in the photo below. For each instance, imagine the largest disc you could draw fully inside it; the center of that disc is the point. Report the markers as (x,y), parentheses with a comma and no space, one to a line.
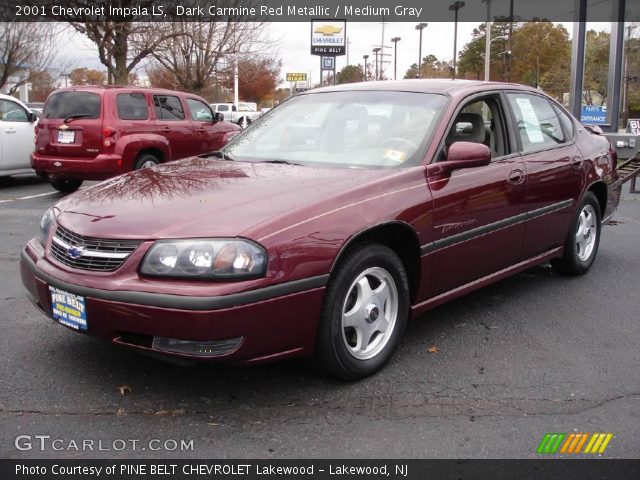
(9,97)
(427,85)
(104,88)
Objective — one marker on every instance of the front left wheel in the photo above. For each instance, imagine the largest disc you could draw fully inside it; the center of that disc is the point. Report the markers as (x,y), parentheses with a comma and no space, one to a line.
(364,315)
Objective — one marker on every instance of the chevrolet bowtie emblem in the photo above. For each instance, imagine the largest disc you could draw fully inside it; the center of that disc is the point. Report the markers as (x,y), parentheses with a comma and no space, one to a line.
(64,126)
(328,30)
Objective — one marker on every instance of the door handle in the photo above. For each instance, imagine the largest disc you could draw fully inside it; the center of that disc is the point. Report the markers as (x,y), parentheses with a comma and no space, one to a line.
(165,129)
(10,130)
(516,176)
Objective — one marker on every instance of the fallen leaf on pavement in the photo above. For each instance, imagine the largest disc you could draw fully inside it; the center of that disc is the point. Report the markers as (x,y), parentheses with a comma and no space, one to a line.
(124,389)
(433,349)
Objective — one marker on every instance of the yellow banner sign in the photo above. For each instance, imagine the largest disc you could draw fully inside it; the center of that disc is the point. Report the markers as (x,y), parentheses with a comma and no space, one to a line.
(296,77)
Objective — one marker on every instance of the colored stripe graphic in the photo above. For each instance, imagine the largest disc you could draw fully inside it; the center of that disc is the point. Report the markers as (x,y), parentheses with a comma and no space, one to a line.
(572,443)
(551,442)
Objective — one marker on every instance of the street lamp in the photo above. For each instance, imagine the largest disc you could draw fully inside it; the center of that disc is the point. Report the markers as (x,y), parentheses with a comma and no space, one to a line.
(455,6)
(487,42)
(395,40)
(365,66)
(376,51)
(421,26)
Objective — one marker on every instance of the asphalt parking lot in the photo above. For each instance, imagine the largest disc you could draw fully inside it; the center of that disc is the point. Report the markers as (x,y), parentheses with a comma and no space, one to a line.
(533,354)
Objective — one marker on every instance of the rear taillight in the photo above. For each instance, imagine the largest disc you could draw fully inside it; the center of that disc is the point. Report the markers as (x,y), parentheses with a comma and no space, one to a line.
(108,136)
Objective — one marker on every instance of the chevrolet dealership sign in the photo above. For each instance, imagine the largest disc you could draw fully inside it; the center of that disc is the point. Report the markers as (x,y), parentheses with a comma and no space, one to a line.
(328,37)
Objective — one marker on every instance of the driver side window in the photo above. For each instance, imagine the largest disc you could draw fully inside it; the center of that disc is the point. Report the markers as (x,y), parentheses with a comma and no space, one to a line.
(12,112)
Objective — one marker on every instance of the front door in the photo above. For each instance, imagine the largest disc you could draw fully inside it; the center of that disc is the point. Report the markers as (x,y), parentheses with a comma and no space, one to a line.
(478,213)
(16,136)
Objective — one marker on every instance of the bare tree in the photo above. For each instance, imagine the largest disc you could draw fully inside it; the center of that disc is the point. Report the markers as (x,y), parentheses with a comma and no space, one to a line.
(196,52)
(27,50)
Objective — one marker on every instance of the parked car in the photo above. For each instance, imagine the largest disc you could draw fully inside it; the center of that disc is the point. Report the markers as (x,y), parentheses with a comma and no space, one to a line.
(36,106)
(327,225)
(244,115)
(17,123)
(93,133)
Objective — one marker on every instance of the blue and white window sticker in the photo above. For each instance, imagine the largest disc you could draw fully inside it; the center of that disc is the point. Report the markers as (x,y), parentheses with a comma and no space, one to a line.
(68,308)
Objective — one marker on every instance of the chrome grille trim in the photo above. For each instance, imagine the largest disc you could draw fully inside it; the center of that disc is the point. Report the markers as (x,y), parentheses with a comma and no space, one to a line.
(93,254)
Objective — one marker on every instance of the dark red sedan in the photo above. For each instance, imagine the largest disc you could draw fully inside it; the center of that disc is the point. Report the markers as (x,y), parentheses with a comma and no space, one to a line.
(326,225)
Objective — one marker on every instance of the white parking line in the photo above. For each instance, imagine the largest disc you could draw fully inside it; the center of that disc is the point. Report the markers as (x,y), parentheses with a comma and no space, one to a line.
(27,197)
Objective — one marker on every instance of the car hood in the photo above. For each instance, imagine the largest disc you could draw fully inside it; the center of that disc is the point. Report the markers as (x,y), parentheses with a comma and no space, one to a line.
(200,197)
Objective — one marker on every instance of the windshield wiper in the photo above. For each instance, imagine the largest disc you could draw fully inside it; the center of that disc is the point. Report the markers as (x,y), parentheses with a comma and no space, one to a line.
(283,162)
(77,115)
(220,154)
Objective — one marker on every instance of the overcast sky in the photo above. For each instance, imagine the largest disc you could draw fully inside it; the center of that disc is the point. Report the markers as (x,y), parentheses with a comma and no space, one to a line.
(291,43)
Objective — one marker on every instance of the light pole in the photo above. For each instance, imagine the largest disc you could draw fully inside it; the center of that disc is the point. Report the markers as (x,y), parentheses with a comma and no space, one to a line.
(376,51)
(487,42)
(455,6)
(365,57)
(395,41)
(421,26)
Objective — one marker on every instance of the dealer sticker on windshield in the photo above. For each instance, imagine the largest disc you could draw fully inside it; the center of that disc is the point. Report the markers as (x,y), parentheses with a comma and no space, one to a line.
(68,308)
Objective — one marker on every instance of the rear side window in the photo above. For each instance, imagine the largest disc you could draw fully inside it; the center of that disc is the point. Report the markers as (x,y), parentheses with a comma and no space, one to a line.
(566,121)
(132,106)
(537,122)
(168,107)
(78,104)
(223,108)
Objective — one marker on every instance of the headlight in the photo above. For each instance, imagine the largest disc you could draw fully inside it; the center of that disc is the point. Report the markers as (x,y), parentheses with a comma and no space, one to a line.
(205,259)
(45,225)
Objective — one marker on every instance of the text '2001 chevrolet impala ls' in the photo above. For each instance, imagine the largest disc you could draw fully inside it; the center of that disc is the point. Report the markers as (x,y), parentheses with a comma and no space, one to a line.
(327,224)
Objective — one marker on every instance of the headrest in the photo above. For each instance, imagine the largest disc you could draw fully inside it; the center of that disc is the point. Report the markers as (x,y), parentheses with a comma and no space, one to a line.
(474,134)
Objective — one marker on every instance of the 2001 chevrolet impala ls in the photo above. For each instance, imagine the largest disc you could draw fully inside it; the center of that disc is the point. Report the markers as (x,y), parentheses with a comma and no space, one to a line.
(327,224)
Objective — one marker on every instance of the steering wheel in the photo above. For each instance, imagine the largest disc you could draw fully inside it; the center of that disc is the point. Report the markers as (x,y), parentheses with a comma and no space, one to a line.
(401,140)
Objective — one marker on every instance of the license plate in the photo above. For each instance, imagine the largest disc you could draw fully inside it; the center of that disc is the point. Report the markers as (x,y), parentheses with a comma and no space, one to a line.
(66,136)
(68,308)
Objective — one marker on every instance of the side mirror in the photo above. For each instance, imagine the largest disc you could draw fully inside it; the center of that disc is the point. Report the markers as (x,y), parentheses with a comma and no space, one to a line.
(32,117)
(218,117)
(466,155)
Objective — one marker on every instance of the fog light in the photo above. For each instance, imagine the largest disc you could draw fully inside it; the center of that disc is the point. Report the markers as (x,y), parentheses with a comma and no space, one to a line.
(212,348)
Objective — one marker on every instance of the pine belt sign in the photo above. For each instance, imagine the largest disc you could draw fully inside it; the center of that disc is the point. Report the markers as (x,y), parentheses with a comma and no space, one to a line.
(328,37)
(296,77)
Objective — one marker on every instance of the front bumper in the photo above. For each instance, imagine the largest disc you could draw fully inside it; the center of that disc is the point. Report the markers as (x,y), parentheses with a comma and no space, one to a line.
(274,322)
(100,167)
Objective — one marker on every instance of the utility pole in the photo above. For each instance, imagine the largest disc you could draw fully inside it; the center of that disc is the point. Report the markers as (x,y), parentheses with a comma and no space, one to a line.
(395,41)
(376,51)
(365,57)
(455,6)
(421,26)
(625,90)
(508,53)
(487,43)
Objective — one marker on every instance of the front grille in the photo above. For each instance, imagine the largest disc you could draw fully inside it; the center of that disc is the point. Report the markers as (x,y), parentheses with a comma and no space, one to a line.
(87,253)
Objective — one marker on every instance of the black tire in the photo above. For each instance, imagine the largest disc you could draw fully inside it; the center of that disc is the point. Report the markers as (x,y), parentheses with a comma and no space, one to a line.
(573,261)
(65,185)
(144,160)
(333,353)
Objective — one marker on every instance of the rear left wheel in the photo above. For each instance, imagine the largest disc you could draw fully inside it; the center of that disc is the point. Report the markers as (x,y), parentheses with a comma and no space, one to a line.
(364,315)
(65,185)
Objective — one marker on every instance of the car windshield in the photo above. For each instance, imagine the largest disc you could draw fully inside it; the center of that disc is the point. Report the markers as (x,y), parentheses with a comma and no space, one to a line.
(385,129)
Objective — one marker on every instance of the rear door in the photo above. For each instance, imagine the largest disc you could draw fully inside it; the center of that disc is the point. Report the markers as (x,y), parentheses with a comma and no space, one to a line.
(208,134)
(16,136)
(478,213)
(71,125)
(554,169)
(172,123)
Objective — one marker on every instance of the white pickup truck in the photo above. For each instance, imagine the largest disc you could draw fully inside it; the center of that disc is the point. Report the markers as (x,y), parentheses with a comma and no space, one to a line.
(246,112)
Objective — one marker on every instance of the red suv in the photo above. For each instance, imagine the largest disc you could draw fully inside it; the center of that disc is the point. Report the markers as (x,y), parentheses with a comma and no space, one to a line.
(93,133)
